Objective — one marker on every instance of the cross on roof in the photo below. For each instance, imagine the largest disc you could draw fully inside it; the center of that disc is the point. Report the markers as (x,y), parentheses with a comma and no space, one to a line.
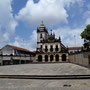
(51,31)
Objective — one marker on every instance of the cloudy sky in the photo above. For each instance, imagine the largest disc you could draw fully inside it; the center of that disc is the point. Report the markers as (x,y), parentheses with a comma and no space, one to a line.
(19,20)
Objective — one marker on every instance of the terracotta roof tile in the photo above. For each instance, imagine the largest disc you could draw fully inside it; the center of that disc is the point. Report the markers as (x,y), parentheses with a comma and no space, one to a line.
(21,49)
(34,51)
(75,48)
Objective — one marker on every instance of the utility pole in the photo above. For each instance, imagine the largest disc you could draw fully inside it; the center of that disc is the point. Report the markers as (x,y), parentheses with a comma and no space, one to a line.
(75,40)
(23,43)
(75,46)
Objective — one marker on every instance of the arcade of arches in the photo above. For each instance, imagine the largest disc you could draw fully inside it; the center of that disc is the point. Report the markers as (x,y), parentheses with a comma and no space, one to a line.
(52,58)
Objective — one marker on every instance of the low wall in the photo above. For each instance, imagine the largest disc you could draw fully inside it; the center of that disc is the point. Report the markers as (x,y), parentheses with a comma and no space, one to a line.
(81,58)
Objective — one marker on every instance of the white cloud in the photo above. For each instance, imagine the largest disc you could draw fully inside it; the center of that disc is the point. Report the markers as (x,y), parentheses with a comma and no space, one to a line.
(88,21)
(30,44)
(7,21)
(87,16)
(52,12)
(88,6)
(70,37)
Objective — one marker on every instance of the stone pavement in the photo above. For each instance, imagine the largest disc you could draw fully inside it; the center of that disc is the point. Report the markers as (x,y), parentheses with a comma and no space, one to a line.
(44,69)
(28,84)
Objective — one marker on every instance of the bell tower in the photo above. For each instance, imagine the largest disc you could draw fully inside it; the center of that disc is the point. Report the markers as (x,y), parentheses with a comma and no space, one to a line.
(42,34)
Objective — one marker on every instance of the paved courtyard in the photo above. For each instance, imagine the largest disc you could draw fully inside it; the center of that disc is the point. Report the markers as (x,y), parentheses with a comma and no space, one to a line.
(28,84)
(44,69)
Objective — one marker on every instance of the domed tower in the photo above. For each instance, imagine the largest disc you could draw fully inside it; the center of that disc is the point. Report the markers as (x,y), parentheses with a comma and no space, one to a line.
(42,34)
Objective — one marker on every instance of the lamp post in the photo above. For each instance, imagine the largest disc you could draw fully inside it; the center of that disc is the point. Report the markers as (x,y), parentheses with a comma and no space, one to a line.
(75,40)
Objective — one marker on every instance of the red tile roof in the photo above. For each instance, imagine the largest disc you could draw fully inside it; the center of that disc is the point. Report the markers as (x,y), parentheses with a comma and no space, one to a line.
(34,51)
(75,48)
(20,49)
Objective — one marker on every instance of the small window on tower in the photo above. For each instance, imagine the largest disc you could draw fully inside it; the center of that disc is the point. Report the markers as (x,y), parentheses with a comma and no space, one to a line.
(40,35)
(41,46)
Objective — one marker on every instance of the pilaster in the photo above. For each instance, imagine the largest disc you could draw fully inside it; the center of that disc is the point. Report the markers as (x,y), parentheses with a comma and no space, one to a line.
(60,58)
(67,57)
(36,58)
(48,58)
(54,59)
(43,58)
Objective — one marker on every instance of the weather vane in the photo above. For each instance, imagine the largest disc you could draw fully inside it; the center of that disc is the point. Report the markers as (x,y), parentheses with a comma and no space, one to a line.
(42,21)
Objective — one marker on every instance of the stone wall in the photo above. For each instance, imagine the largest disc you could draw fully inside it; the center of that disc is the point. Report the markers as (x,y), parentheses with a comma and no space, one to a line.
(81,58)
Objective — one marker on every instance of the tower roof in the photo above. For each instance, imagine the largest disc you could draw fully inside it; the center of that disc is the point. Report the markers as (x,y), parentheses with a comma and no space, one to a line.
(42,28)
(42,25)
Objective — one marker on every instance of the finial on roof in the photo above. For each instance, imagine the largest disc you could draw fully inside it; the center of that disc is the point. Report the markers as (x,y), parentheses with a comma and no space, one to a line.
(51,31)
(42,25)
(59,38)
(54,33)
(67,48)
(42,21)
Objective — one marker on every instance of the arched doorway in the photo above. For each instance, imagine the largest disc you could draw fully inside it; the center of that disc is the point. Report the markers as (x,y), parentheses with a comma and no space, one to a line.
(51,57)
(57,58)
(39,58)
(46,58)
(63,57)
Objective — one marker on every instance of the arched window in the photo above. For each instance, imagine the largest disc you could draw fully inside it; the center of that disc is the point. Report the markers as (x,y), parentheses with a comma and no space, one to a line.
(41,47)
(56,47)
(51,48)
(46,49)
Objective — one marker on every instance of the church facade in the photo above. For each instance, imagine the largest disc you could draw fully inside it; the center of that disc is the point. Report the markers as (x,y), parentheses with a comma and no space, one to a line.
(49,48)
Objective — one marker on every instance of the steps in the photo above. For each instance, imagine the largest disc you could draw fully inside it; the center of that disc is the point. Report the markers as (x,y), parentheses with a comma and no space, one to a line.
(45,76)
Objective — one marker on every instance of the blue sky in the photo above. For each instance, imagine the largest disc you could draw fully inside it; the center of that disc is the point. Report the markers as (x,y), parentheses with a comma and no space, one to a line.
(19,20)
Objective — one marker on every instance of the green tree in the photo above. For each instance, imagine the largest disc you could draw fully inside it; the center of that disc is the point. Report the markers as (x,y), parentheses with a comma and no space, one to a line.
(86,36)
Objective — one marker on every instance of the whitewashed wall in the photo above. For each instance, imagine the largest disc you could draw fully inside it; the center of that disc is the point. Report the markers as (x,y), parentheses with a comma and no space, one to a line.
(7,50)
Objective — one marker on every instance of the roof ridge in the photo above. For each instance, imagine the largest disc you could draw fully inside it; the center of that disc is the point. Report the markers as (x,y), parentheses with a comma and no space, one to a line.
(16,47)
